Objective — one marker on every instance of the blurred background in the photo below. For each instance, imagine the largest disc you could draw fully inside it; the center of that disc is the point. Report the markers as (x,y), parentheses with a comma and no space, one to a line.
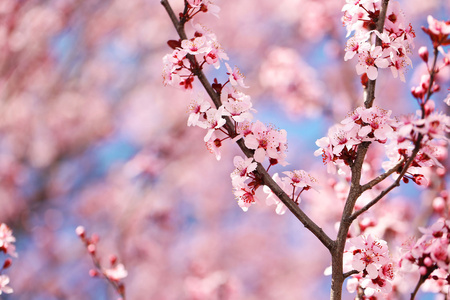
(90,136)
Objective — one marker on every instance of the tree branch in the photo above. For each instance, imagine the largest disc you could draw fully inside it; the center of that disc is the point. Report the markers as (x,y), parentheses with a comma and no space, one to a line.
(355,187)
(382,177)
(267,179)
(350,273)
(392,186)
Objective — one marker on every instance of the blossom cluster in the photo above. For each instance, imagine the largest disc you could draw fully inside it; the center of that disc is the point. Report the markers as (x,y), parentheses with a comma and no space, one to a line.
(430,257)
(6,246)
(266,142)
(338,149)
(438,31)
(361,16)
(114,274)
(179,69)
(370,257)
(400,136)
(245,183)
(235,104)
(428,132)
(294,183)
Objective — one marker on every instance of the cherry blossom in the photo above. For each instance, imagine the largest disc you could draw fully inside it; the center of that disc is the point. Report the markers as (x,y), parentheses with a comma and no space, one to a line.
(197,110)
(195,46)
(6,240)
(267,141)
(116,273)
(396,39)
(438,31)
(213,145)
(243,168)
(429,256)
(214,121)
(235,76)
(370,61)
(272,199)
(371,257)
(245,196)
(4,280)
(237,104)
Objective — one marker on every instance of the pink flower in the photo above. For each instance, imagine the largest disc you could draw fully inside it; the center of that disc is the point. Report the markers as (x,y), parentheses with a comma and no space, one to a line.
(370,61)
(369,254)
(371,257)
(399,64)
(4,280)
(356,44)
(116,273)
(273,199)
(195,46)
(213,121)
(243,168)
(206,6)
(301,179)
(447,99)
(6,240)
(245,196)
(237,104)
(213,145)
(267,142)
(235,76)
(216,54)
(438,27)
(197,109)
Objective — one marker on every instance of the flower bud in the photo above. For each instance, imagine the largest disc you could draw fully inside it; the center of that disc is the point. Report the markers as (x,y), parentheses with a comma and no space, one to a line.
(423,53)
(429,107)
(427,261)
(80,231)
(93,273)
(438,204)
(91,248)
(112,259)
(7,263)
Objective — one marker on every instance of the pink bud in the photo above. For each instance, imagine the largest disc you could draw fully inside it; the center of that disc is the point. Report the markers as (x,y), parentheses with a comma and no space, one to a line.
(436,88)
(93,273)
(112,259)
(423,52)
(429,107)
(423,270)
(427,261)
(438,204)
(91,248)
(7,263)
(80,231)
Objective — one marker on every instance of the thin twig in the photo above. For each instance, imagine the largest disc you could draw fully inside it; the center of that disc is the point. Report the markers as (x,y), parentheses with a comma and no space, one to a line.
(392,186)
(382,177)
(350,273)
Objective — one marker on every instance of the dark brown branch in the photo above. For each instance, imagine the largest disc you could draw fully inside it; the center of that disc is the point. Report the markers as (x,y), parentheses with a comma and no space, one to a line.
(267,179)
(337,279)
